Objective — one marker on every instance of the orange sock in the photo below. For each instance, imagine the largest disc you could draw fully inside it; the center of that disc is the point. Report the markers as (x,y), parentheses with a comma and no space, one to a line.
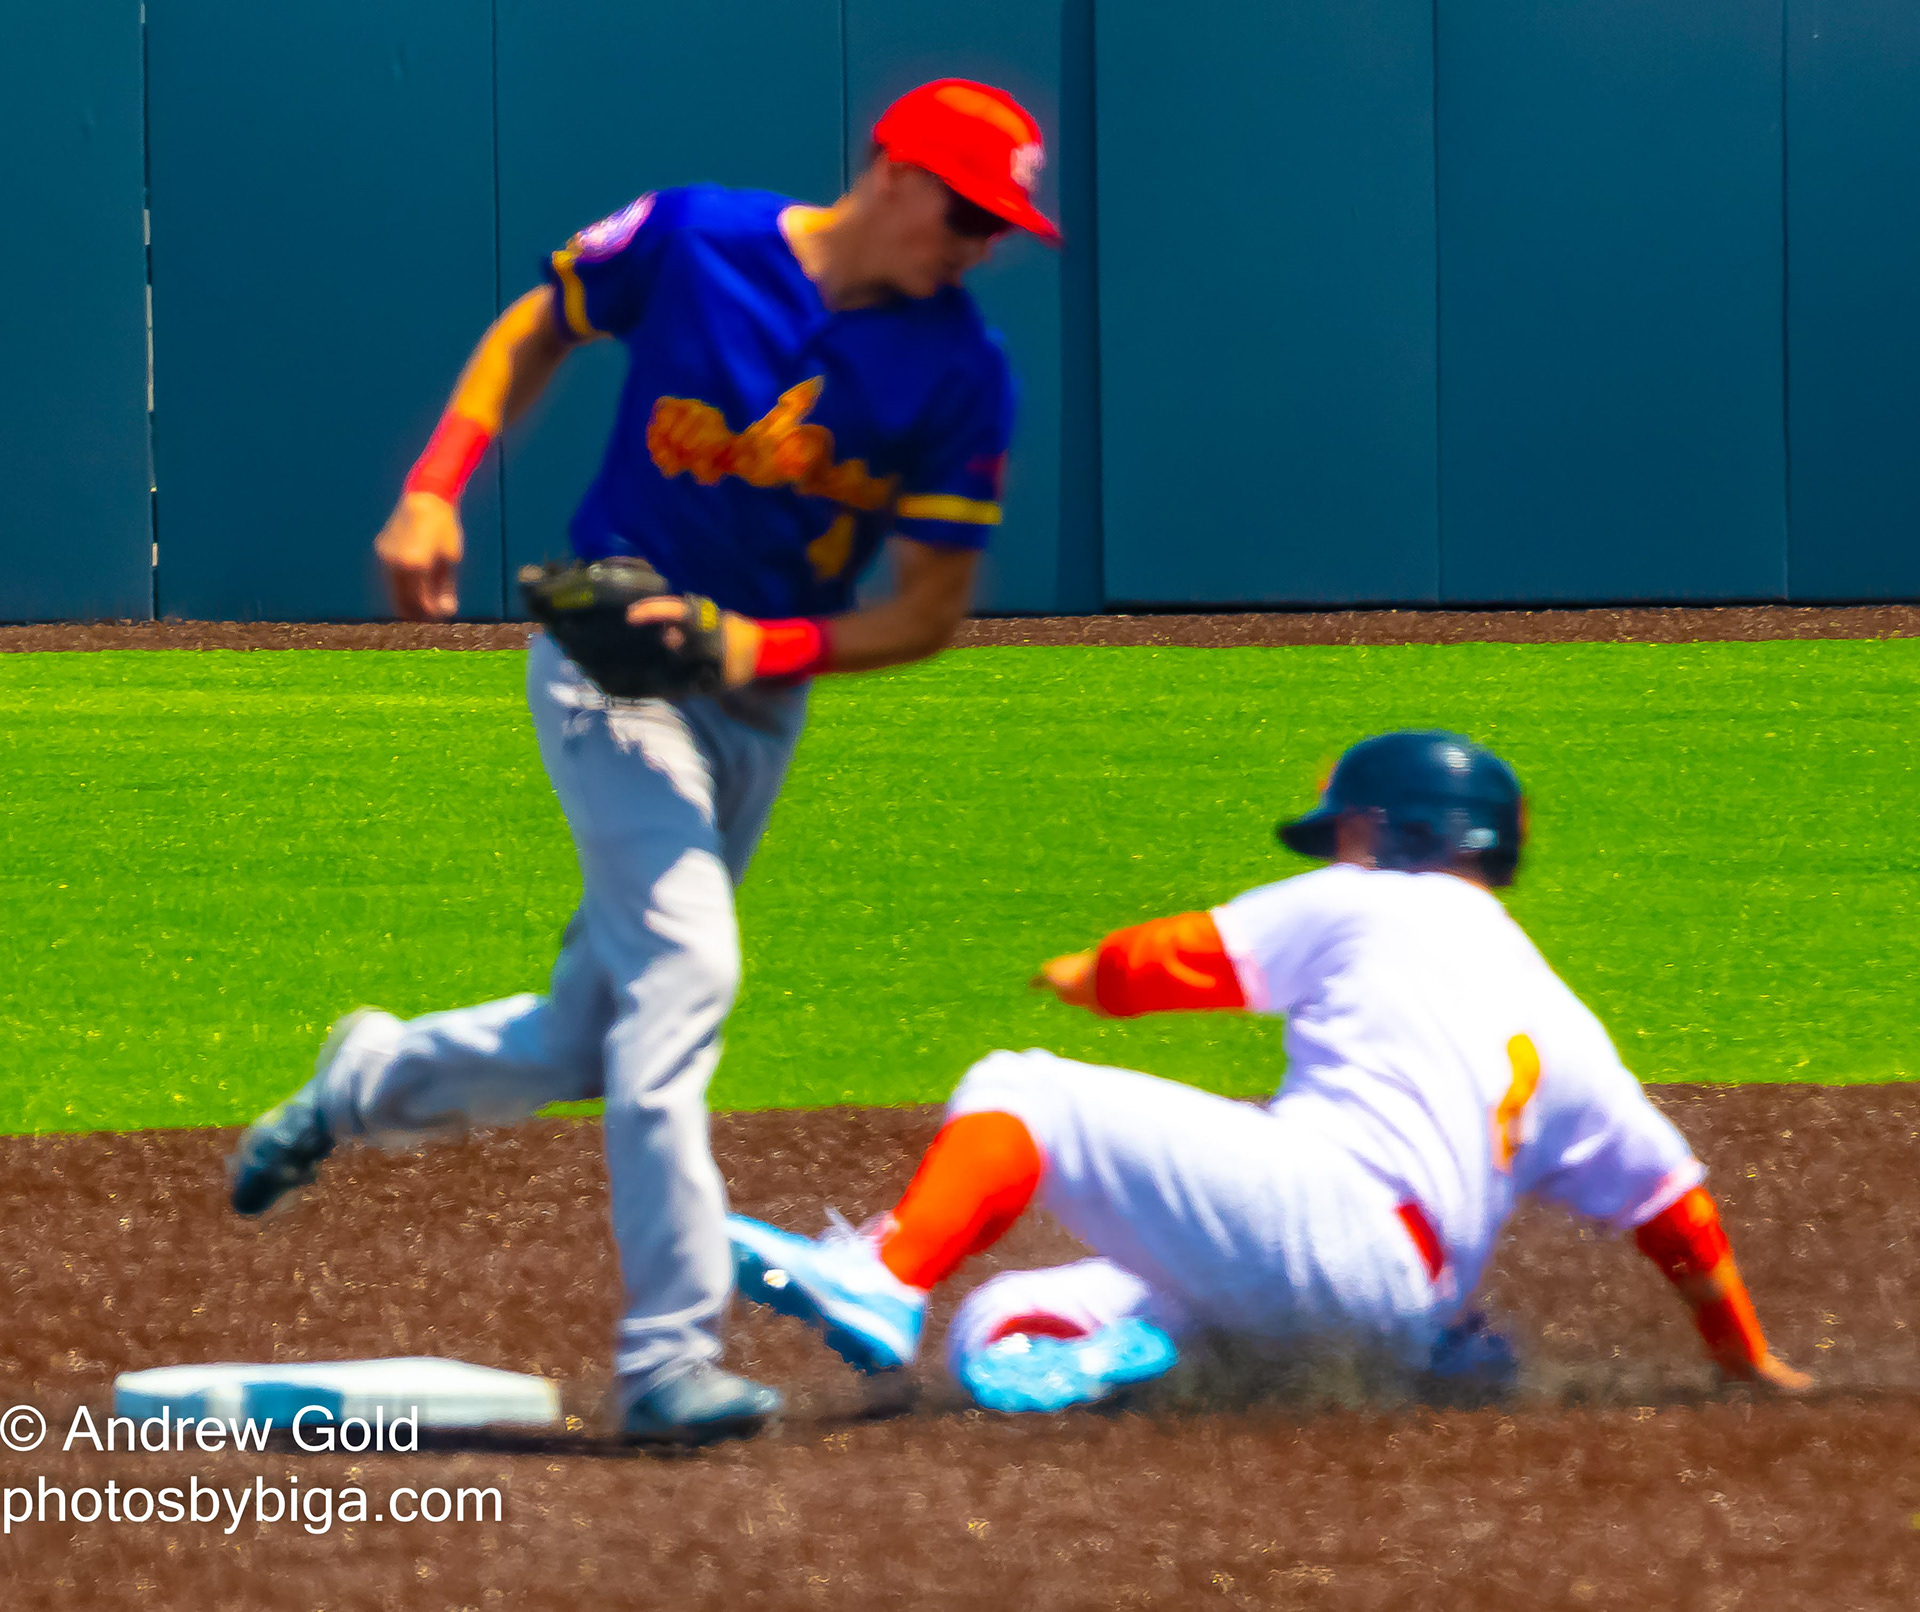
(978,1175)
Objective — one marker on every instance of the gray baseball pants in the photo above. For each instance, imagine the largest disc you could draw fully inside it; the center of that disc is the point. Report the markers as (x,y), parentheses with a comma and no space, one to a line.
(666,803)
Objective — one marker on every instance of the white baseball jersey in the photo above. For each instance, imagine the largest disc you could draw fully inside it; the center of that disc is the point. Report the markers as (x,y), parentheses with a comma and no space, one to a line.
(1428,1039)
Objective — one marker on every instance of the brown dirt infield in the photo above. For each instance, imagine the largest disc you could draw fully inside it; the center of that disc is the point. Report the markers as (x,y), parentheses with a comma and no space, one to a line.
(1660,624)
(1616,1479)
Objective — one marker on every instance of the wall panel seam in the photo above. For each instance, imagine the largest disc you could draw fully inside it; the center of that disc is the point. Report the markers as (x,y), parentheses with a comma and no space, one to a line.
(846,107)
(1786,296)
(499,470)
(146,269)
(1439,390)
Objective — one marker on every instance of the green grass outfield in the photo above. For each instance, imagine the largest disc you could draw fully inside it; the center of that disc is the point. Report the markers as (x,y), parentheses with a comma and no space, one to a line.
(208,856)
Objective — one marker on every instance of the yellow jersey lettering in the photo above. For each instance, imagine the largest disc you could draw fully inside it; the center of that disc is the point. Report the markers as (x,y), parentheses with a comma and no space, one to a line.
(1524,1060)
(780,449)
(830,551)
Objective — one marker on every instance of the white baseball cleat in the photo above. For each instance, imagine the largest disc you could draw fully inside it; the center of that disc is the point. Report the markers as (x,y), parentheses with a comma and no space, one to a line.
(836,1284)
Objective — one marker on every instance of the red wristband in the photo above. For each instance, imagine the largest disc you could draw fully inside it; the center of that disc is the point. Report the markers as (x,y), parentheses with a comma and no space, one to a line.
(799,647)
(453,453)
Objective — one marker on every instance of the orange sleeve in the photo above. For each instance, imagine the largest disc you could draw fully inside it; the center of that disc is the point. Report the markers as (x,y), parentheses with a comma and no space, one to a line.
(1689,1245)
(1165,966)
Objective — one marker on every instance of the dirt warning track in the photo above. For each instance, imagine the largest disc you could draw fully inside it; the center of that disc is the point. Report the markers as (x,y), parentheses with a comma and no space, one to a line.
(1618,1478)
(1642,624)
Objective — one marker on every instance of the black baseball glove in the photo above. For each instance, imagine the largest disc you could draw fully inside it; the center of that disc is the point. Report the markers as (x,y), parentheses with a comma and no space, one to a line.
(584,607)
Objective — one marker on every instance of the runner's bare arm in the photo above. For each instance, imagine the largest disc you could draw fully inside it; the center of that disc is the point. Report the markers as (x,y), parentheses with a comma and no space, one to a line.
(421,544)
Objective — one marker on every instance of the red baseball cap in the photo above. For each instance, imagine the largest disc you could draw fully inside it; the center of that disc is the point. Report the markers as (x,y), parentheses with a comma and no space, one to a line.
(978,139)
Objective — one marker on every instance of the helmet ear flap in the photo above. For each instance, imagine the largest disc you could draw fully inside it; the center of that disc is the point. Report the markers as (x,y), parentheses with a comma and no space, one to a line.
(1502,862)
(1499,866)
(1410,841)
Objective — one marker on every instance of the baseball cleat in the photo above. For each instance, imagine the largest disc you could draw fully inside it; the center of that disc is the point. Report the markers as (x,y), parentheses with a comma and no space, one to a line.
(281,1150)
(836,1284)
(1473,1356)
(699,1407)
(1028,1372)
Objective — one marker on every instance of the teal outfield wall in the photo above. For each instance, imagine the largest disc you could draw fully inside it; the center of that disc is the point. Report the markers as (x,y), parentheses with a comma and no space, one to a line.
(1267,347)
(75,509)
(1363,301)
(321,180)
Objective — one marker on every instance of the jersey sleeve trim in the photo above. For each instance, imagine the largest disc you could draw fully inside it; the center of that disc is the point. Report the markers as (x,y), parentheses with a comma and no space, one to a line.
(573,297)
(948,507)
(1674,1186)
(1252,977)
(1168,965)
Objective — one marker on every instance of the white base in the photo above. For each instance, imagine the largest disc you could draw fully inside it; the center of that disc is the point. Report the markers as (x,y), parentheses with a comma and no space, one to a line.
(441,1393)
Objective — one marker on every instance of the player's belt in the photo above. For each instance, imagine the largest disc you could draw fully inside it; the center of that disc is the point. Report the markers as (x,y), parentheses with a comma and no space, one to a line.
(1425,1238)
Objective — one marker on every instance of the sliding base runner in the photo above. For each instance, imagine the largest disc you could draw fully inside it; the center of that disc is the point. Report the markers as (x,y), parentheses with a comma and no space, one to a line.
(1437,1072)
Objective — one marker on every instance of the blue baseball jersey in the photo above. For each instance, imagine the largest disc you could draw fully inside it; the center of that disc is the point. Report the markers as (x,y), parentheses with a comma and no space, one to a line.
(765,445)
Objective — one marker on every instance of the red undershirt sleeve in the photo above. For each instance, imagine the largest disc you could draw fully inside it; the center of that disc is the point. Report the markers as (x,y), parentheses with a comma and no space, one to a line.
(1688,1244)
(1169,965)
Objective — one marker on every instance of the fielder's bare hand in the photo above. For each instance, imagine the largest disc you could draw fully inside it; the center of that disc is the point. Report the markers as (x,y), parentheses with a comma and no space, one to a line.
(1071,978)
(420,548)
(742,634)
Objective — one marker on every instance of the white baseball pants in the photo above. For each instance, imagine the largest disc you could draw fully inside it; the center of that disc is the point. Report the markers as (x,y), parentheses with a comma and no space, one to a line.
(1208,1215)
(666,803)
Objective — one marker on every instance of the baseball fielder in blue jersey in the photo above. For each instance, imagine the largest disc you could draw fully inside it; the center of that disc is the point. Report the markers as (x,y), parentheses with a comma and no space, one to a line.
(804,384)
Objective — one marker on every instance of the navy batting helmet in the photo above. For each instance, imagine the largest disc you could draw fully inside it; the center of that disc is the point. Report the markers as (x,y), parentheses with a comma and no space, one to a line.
(1438,796)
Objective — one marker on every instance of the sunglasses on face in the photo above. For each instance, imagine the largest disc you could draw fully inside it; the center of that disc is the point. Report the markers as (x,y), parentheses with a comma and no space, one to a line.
(972,222)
